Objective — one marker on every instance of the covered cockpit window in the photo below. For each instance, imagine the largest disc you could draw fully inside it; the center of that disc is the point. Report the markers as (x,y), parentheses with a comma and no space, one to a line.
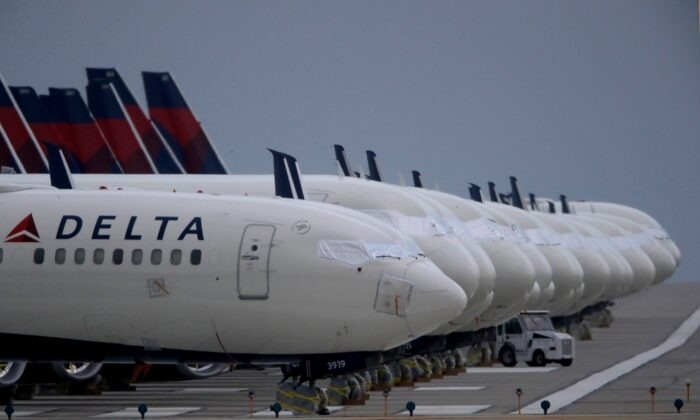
(411,225)
(362,252)
(485,229)
(543,236)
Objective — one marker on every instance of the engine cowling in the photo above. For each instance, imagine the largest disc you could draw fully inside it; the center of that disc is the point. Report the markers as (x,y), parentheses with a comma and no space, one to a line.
(11,372)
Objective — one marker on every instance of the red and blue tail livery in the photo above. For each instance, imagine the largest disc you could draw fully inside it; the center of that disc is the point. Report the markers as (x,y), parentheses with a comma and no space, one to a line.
(74,123)
(20,136)
(41,125)
(117,128)
(176,122)
(156,147)
(8,158)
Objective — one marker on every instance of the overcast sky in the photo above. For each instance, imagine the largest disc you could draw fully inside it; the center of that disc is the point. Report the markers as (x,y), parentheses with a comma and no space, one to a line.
(596,99)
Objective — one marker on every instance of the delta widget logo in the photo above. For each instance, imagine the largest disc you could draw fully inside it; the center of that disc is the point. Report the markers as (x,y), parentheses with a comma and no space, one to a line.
(25,231)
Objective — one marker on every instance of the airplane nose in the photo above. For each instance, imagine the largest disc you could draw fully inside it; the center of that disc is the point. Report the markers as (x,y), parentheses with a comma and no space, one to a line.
(435,298)
(673,249)
(664,263)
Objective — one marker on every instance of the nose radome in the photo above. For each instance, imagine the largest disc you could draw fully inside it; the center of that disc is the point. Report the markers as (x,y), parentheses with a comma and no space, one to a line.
(435,299)
(454,260)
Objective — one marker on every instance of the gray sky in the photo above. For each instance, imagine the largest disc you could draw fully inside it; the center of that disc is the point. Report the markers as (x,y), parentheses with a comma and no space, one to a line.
(595,99)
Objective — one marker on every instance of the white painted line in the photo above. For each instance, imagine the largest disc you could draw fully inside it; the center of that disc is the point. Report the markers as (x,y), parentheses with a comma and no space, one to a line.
(270,413)
(580,389)
(209,390)
(449,388)
(133,413)
(284,413)
(26,413)
(445,410)
(545,369)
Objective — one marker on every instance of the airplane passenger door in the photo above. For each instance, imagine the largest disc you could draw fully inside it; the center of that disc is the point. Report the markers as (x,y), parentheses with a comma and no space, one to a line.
(254,262)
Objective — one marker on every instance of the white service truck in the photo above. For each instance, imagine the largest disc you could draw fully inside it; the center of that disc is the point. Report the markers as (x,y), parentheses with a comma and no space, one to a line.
(531,337)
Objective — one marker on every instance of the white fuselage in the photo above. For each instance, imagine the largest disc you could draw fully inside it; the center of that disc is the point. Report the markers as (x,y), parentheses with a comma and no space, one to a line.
(151,273)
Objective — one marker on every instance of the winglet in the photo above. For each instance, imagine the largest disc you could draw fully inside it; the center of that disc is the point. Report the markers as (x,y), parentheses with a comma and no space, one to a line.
(416,179)
(58,168)
(515,193)
(287,178)
(564,204)
(475,192)
(374,173)
(341,159)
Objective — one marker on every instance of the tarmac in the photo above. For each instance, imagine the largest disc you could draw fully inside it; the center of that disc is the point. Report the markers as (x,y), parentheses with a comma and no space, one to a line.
(645,321)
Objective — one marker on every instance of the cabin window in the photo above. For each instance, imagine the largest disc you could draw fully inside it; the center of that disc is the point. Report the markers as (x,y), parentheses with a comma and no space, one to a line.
(60,256)
(79,256)
(136,256)
(118,256)
(196,257)
(39,256)
(175,257)
(156,256)
(98,257)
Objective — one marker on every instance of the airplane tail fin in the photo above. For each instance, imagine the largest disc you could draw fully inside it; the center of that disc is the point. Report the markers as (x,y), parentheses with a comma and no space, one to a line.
(342,159)
(41,124)
(533,202)
(492,192)
(58,168)
(157,148)
(74,122)
(564,204)
(176,122)
(416,179)
(117,128)
(287,176)
(515,193)
(8,158)
(20,136)
(374,173)
(475,192)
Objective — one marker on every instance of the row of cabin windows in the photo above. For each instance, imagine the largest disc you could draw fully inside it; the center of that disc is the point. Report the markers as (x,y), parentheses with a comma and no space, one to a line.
(99,255)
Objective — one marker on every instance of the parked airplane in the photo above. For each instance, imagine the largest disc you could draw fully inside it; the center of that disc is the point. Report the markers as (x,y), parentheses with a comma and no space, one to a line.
(180,277)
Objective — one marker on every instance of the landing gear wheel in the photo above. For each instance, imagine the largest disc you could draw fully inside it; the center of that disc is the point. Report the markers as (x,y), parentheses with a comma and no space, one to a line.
(566,362)
(507,357)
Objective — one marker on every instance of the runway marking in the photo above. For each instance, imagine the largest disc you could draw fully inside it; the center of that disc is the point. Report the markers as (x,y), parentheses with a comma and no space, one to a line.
(284,413)
(133,413)
(511,369)
(580,389)
(209,390)
(27,413)
(449,388)
(445,410)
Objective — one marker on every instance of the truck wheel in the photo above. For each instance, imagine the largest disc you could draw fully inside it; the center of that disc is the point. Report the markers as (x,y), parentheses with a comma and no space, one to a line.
(507,356)
(538,358)
(566,362)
